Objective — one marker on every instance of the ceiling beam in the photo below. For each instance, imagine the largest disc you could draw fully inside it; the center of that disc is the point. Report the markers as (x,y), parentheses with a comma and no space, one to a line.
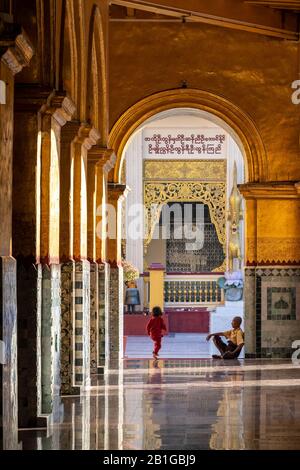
(277,4)
(192,16)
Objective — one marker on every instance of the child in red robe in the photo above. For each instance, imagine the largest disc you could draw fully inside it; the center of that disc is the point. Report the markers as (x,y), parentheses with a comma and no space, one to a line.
(155,327)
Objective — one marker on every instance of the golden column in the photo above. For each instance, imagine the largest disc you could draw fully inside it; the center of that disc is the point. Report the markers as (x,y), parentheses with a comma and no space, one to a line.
(157,272)
(86,138)
(99,162)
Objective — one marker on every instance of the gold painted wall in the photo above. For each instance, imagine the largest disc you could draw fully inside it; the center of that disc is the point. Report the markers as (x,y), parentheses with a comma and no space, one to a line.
(6,140)
(272,230)
(253,71)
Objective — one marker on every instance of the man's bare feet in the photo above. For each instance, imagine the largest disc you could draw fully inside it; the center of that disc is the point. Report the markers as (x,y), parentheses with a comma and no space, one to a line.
(154,355)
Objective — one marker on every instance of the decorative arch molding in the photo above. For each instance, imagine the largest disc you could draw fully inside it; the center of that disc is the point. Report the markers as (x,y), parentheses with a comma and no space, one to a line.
(69,49)
(241,125)
(97,66)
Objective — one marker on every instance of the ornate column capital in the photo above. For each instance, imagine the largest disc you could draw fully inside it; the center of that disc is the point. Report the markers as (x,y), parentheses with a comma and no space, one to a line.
(103,157)
(17,48)
(88,136)
(116,191)
(60,106)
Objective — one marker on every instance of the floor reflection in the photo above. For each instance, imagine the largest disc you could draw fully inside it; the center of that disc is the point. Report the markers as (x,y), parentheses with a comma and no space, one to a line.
(182,404)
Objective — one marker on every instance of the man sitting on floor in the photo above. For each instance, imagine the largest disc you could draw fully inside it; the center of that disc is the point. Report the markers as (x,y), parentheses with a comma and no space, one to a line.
(235,343)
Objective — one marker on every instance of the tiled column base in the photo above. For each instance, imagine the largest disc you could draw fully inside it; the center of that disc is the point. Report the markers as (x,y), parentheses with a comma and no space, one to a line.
(82,323)
(8,371)
(272,310)
(94,306)
(277,310)
(67,315)
(115,327)
(103,336)
(250,313)
(50,342)
(75,326)
(29,303)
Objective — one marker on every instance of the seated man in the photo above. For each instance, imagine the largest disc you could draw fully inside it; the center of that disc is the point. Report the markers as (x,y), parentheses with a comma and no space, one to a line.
(235,343)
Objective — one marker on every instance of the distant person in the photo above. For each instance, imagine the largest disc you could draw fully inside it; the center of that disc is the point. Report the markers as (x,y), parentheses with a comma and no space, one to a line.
(132,297)
(155,327)
(235,342)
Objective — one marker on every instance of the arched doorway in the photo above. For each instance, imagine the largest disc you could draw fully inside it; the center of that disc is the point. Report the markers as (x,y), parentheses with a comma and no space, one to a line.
(164,175)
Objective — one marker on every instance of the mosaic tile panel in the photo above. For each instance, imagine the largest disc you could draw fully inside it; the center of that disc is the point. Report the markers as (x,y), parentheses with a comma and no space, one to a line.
(115,327)
(277,310)
(82,323)
(67,313)
(281,303)
(103,292)
(50,343)
(29,289)
(93,316)
(8,370)
(250,312)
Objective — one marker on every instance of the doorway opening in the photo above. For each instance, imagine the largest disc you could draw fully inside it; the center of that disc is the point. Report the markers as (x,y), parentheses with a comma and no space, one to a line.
(180,161)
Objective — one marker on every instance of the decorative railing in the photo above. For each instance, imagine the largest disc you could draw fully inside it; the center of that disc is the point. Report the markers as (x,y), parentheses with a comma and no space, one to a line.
(192,289)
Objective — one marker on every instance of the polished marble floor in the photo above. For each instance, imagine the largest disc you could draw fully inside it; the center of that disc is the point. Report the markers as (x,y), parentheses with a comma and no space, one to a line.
(182,404)
(174,345)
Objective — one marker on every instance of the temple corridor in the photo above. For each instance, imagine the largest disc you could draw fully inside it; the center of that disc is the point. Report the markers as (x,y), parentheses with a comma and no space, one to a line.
(149,163)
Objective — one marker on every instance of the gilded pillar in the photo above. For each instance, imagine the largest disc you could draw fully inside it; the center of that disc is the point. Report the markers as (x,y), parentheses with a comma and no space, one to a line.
(67,367)
(100,161)
(272,272)
(86,138)
(16,52)
(52,117)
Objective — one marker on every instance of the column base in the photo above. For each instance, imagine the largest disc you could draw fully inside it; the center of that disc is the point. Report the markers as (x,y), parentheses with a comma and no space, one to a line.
(116,319)
(82,324)
(29,302)
(8,335)
(94,313)
(75,329)
(103,314)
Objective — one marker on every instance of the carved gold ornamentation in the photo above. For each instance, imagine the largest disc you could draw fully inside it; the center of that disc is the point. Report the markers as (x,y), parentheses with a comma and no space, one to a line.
(234,217)
(156,194)
(205,170)
(220,269)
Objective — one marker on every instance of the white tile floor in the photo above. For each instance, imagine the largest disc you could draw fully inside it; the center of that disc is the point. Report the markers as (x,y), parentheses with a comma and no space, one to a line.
(175,345)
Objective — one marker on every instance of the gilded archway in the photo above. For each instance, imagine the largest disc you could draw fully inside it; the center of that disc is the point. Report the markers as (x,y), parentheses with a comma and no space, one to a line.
(240,124)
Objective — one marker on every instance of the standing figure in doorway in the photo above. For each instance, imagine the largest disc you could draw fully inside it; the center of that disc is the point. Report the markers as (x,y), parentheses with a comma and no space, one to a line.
(132,297)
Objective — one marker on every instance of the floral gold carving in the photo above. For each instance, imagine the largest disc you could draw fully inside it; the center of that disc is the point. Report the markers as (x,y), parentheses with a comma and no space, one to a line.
(157,194)
(204,170)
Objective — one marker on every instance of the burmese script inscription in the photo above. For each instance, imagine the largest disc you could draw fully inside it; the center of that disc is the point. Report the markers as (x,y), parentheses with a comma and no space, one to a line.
(190,143)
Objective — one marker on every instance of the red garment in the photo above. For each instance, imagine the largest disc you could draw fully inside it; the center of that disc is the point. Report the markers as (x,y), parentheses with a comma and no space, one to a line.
(155,327)
(157,345)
